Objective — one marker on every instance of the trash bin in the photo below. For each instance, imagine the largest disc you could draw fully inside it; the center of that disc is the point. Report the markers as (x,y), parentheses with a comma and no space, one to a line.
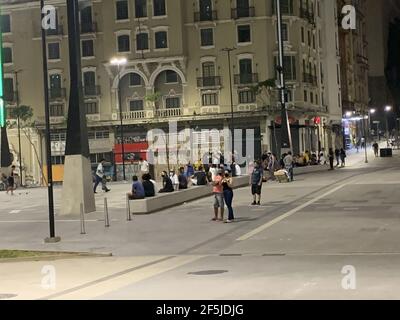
(386,152)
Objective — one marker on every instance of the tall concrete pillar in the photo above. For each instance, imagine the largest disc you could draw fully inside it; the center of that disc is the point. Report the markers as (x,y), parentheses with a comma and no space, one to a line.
(77,186)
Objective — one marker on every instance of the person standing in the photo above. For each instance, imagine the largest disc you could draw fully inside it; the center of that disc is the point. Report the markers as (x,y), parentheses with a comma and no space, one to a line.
(337,155)
(343,157)
(99,177)
(256,183)
(144,166)
(218,197)
(228,195)
(376,148)
(331,158)
(11,181)
(288,164)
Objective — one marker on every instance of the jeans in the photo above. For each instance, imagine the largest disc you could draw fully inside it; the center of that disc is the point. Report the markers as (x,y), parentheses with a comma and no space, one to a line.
(228,196)
(98,180)
(289,169)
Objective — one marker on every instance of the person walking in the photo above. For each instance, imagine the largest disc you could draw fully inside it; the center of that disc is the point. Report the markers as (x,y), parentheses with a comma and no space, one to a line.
(100,177)
(11,181)
(337,156)
(376,149)
(228,195)
(343,157)
(288,164)
(256,183)
(218,197)
(331,158)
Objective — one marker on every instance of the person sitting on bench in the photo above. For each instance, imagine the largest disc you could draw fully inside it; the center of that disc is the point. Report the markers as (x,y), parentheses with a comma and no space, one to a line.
(167,183)
(137,190)
(148,186)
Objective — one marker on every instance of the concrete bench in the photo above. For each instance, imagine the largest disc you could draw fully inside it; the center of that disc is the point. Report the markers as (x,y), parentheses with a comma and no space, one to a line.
(310,169)
(167,200)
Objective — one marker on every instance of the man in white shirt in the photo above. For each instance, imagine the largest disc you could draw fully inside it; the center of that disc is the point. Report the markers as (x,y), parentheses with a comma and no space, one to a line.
(144,166)
(99,176)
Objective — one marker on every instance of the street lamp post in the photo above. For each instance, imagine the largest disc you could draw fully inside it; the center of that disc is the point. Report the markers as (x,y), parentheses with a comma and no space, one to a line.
(387,110)
(52,237)
(120,62)
(228,51)
(286,138)
(19,127)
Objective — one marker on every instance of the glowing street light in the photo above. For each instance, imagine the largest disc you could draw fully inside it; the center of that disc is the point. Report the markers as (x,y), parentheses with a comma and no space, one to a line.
(120,61)
(388,108)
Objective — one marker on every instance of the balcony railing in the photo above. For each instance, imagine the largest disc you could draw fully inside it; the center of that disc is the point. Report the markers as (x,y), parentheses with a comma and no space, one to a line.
(58,31)
(88,27)
(57,93)
(10,97)
(132,115)
(246,78)
(204,82)
(169,112)
(205,16)
(91,91)
(238,13)
(309,78)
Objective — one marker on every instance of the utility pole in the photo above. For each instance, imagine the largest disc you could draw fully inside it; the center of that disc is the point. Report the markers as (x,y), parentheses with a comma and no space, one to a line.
(228,51)
(52,237)
(19,127)
(286,137)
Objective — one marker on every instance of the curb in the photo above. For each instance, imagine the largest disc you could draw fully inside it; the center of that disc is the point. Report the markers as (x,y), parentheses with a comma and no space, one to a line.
(62,255)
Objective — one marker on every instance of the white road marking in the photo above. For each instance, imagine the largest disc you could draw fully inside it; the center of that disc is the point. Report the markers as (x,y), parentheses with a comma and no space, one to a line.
(286,215)
(47,221)
(15,211)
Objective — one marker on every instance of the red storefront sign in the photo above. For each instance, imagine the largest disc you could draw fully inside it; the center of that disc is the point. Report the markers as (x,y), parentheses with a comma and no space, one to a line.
(133,151)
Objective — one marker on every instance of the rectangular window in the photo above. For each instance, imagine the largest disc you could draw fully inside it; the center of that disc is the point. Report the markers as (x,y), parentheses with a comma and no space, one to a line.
(141,8)
(87,48)
(8,89)
(285,32)
(122,10)
(5,23)
(311,97)
(91,107)
(209,99)
(305,96)
(135,80)
(309,38)
(124,43)
(54,51)
(302,35)
(56,110)
(244,34)
(142,41)
(7,55)
(58,160)
(247,96)
(161,40)
(171,76)
(136,105)
(159,8)
(173,103)
(207,37)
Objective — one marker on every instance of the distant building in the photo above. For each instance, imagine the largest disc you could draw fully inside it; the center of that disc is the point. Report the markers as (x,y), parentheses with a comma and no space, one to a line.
(177,71)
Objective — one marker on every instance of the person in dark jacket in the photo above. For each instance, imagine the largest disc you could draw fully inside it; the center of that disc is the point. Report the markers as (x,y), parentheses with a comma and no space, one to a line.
(148,186)
(331,158)
(167,183)
(182,179)
(337,156)
(343,157)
